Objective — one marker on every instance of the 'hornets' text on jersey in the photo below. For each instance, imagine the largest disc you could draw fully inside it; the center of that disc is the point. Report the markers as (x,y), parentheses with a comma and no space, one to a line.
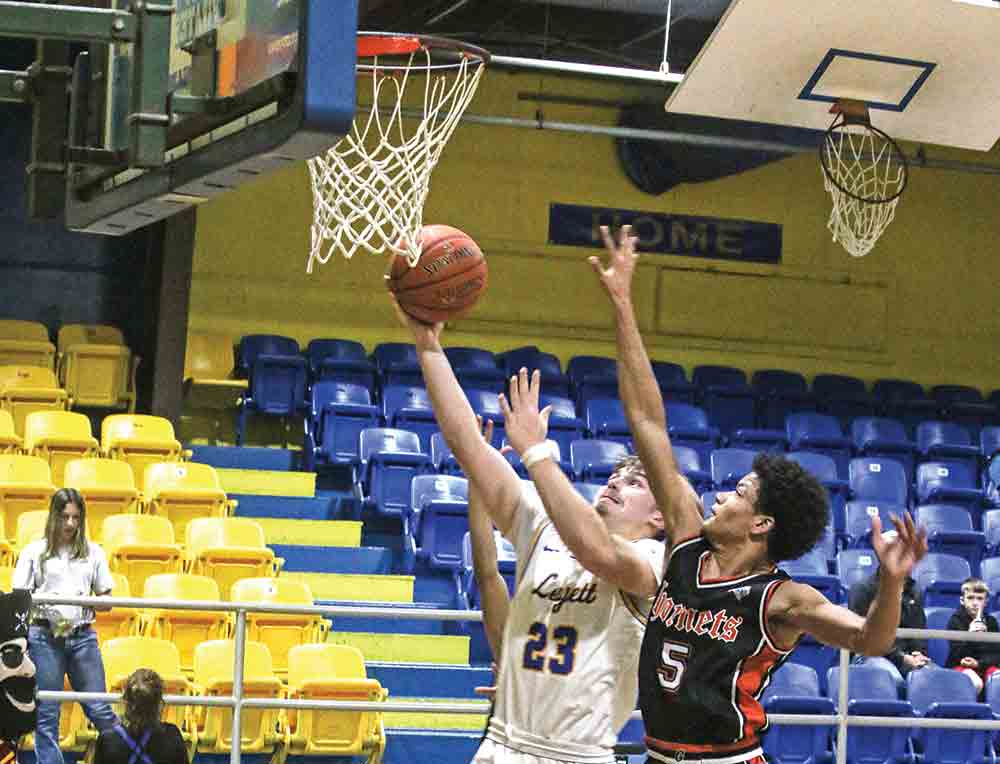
(706,658)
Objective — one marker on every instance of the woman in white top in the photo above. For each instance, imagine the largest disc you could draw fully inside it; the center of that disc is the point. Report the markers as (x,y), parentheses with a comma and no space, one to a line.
(61,638)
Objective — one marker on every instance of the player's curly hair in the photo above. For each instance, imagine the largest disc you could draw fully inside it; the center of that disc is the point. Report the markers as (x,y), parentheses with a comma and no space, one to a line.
(798,503)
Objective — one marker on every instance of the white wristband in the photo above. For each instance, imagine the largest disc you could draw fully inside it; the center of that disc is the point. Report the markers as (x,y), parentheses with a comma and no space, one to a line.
(535,454)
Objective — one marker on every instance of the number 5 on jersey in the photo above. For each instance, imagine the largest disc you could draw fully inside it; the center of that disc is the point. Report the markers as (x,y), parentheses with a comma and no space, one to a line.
(673,663)
(564,639)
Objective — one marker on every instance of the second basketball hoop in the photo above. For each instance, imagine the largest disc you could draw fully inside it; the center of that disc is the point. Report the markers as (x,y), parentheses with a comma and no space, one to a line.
(369,190)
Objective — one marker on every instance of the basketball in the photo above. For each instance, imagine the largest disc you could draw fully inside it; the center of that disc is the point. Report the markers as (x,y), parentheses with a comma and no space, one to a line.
(446,282)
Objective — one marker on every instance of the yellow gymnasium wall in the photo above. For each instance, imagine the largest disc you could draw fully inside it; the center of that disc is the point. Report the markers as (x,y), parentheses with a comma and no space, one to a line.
(921,306)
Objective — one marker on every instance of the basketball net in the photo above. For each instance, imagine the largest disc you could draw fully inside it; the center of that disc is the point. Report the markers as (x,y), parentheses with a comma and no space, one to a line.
(369,190)
(865,173)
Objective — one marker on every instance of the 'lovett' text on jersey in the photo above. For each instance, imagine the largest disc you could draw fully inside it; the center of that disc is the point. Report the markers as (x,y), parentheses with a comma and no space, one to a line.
(707,657)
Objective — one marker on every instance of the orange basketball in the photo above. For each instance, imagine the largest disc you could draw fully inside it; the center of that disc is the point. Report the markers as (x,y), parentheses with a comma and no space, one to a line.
(446,282)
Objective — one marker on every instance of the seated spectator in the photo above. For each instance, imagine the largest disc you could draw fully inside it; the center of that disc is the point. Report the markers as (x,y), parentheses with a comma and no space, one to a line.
(977,660)
(907,654)
(142,737)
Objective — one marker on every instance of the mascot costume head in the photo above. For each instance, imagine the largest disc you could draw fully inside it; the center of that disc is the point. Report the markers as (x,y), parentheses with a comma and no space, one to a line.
(17,673)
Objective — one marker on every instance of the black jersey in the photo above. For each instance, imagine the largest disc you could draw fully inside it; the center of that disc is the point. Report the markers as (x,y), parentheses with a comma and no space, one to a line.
(707,657)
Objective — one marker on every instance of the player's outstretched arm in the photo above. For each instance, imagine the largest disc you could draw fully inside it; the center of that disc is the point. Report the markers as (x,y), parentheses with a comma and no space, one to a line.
(606,555)
(798,609)
(493,597)
(488,472)
(681,507)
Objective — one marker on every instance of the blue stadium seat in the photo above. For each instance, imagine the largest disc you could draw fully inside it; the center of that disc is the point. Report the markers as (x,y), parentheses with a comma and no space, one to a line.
(878,479)
(992,697)
(794,689)
(949,483)
(588,491)
(514,460)
(937,618)
(854,566)
(707,500)
(843,397)
(940,578)
(688,426)
(811,568)
(990,573)
(442,458)
(554,382)
(466,581)
(949,531)
(689,463)
(780,393)
(724,393)
(564,425)
(965,406)
(437,521)
(827,545)
(605,418)
(872,691)
(730,465)
(390,459)
(942,693)
(340,361)
(759,439)
(991,530)
(592,376)
(673,382)
(397,364)
(824,469)
(947,442)
(821,434)
(277,374)
(904,400)
(817,656)
(884,437)
(487,405)
(594,460)
(476,369)
(408,407)
(338,414)
(989,441)
(858,520)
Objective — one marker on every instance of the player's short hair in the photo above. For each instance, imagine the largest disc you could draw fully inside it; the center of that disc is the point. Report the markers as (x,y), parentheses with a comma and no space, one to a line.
(632,463)
(974,584)
(796,500)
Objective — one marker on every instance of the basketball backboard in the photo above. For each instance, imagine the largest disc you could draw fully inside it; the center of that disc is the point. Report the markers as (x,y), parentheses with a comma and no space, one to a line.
(923,67)
(254,85)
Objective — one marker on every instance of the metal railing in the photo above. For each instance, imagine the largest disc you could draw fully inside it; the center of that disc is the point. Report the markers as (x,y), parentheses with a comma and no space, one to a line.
(237,701)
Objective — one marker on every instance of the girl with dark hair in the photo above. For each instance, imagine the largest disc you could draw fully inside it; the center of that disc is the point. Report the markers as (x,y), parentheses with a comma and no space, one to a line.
(142,738)
(61,638)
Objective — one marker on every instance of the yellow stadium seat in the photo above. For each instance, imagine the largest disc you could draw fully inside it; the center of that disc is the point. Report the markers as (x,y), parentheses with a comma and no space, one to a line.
(7,554)
(333,672)
(107,487)
(25,486)
(122,656)
(228,549)
(58,437)
(24,389)
(30,527)
(119,621)
(183,491)
(25,343)
(10,441)
(140,440)
(279,631)
(208,372)
(140,546)
(213,674)
(6,577)
(185,628)
(96,367)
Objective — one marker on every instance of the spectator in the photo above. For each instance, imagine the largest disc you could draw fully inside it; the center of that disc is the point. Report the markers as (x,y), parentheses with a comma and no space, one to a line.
(61,639)
(142,737)
(977,660)
(907,654)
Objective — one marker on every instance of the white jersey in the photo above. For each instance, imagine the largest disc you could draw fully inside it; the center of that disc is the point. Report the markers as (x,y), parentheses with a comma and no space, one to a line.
(568,676)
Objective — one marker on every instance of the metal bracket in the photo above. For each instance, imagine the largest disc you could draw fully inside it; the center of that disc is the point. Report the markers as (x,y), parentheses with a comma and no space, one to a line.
(67,23)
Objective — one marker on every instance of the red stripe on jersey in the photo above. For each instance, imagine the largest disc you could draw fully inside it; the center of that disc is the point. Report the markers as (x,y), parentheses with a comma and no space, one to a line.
(753,672)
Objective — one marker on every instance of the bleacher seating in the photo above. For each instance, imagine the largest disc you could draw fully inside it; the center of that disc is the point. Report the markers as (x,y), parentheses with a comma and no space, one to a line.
(96,367)
(390,459)
(964,405)
(726,396)
(182,492)
(824,469)
(476,369)
(689,463)
(25,486)
(858,520)
(25,389)
(592,376)
(397,364)
(554,382)
(228,549)
(25,343)
(884,437)
(730,465)
(30,527)
(564,425)
(673,382)
(10,441)
(904,400)
(277,375)
(140,546)
(594,460)
(794,689)
(409,408)
(140,440)
(209,372)
(780,394)
(118,621)
(340,360)
(937,618)
(59,437)
(821,434)
(940,578)
(941,693)
(338,414)
(106,485)
(950,531)
(872,691)
(605,418)
(184,628)
(946,442)
(688,426)
(843,396)
(949,483)
(878,479)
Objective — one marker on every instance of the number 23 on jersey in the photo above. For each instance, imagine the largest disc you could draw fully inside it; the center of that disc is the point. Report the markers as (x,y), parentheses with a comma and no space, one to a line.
(536,650)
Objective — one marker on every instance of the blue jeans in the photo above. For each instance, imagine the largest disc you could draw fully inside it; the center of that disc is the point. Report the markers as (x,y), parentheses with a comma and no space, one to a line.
(78,656)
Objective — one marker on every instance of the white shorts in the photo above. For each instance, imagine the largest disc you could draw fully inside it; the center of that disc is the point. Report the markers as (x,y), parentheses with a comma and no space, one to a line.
(491,752)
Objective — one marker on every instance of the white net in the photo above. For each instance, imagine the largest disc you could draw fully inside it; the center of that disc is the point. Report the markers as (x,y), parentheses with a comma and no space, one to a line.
(865,174)
(369,189)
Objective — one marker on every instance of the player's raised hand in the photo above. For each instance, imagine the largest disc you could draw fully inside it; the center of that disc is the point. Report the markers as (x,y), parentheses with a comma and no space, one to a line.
(524,424)
(424,334)
(897,557)
(617,277)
